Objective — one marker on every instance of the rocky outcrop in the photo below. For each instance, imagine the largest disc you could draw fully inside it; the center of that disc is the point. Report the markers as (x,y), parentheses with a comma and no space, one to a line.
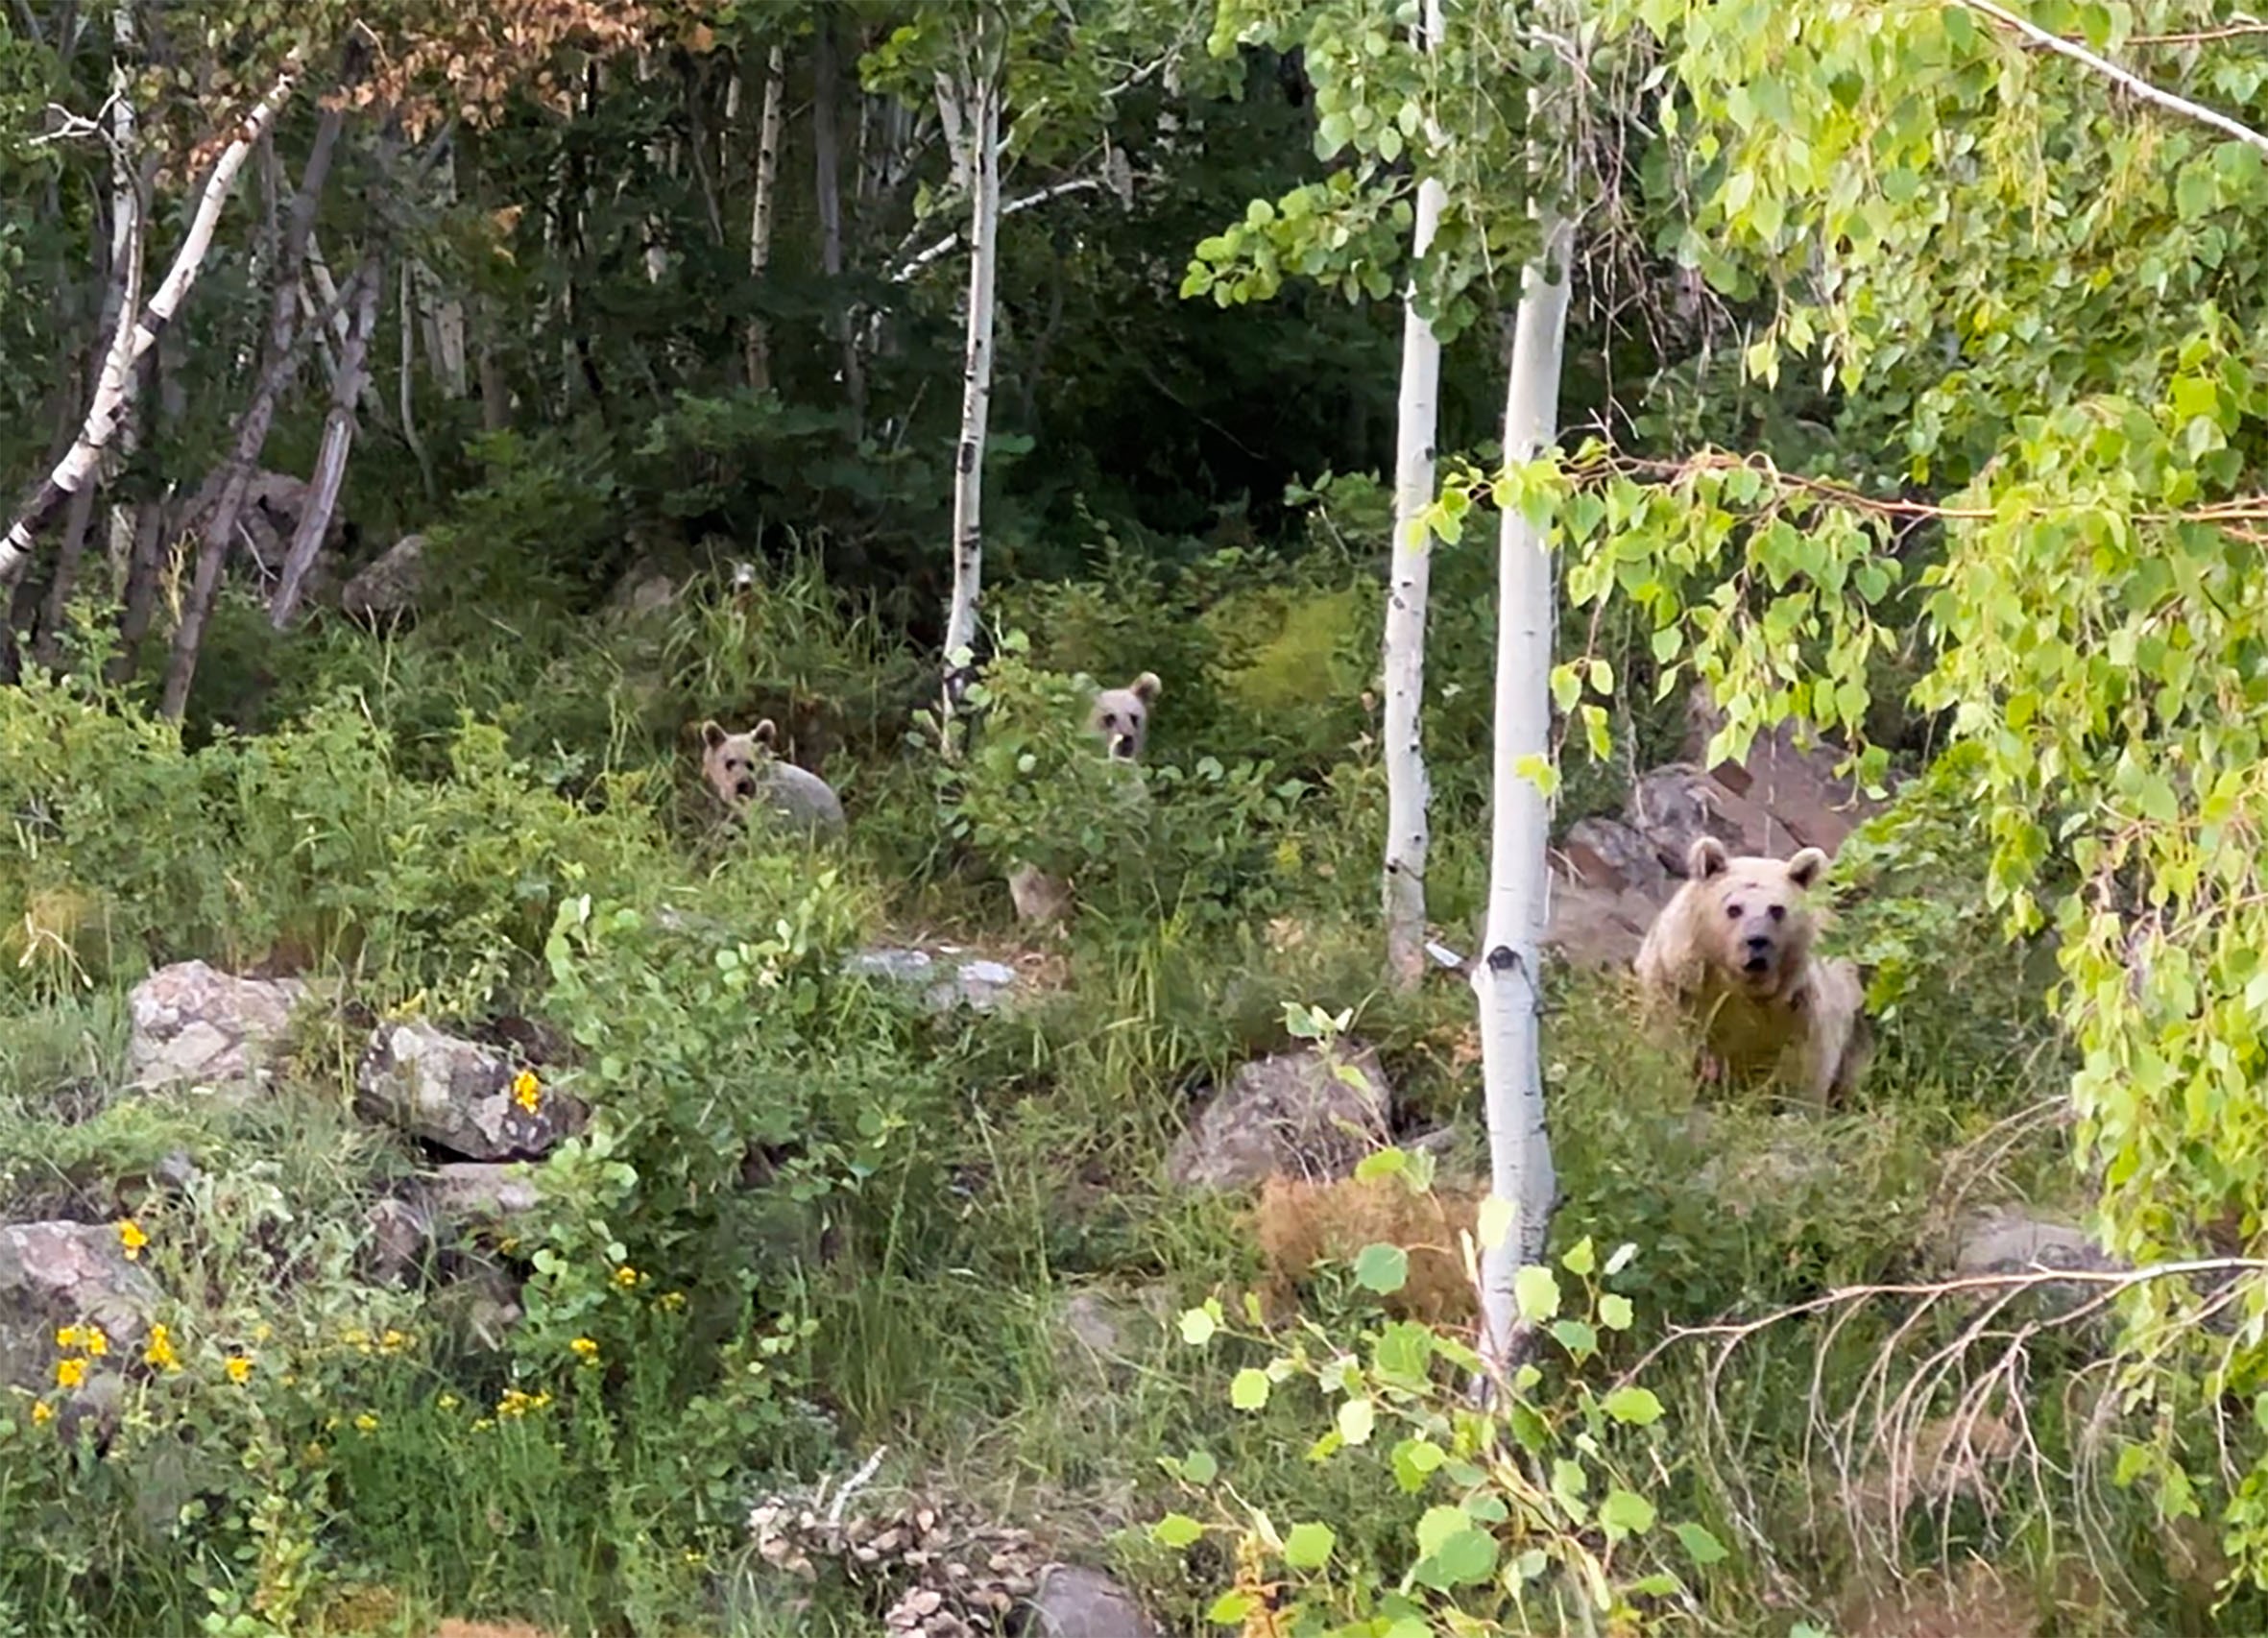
(1309,1113)
(460,1095)
(390,585)
(60,1275)
(194,1024)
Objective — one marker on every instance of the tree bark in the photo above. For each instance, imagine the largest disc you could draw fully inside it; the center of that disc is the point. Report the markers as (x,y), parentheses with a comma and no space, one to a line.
(79,464)
(827,181)
(759,212)
(330,461)
(409,395)
(140,598)
(968,484)
(282,349)
(126,235)
(1407,790)
(1505,979)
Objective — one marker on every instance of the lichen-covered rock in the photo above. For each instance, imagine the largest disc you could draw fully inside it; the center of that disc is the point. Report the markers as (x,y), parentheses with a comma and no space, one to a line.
(1309,1113)
(949,977)
(55,1275)
(1074,1601)
(460,1095)
(195,1023)
(390,584)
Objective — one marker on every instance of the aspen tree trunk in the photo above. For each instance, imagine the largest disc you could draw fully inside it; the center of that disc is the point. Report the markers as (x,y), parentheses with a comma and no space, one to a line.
(759,211)
(828,181)
(281,350)
(330,461)
(1407,791)
(138,333)
(126,201)
(968,482)
(1505,978)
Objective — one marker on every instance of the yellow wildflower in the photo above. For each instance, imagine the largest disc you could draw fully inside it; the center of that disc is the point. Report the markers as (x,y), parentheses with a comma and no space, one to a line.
(367,1422)
(354,1336)
(448,1402)
(586,1350)
(482,1424)
(160,1352)
(239,1368)
(670,1302)
(96,1343)
(393,1342)
(131,1237)
(69,1373)
(627,1277)
(526,1092)
(42,1413)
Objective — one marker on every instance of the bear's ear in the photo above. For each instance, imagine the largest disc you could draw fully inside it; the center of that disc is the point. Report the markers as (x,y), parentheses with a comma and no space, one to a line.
(1805,867)
(711,735)
(764,734)
(1147,688)
(1705,857)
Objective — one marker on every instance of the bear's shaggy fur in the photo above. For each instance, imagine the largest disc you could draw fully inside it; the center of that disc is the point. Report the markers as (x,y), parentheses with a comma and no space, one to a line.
(1122,716)
(745,773)
(1730,955)
(1299,1224)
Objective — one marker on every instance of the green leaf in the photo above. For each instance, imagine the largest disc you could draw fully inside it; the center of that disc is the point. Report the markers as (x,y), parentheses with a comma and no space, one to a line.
(1230,1609)
(1382,1269)
(1537,1293)
(1582,1258)
(1437,1525)
(1307,1547)
(1197,1326)
(1702,1548)
(1492,1223)
(1579,1340)
(1199,1468)
(1355,1418)
(1249,1390)
(1465,1560)
(1624,1513)
(1381,1163)
(1634,1405)
(1176,1531)
(1614,1312)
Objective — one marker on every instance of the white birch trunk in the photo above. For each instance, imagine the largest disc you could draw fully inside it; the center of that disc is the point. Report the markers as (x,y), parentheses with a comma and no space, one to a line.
(441,314)
(1407,791)
(1506,977)
(759,211)
(138,333)
(968,486)
(125,240)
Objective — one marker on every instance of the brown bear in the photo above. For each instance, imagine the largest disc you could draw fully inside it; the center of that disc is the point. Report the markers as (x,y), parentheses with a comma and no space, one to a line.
(1731,953)
(1122,716)
(1120,719)
(1300,1223)
(745,774)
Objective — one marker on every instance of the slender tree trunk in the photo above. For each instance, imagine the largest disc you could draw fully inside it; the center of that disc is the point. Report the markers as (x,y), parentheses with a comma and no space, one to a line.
(409,407)
(47,648)
(80,462)
(968,484)
(496,391)
(1407,790)
(139,599)
(282,349)
(826,164)
(126,215)
(330,462)
(759,212)
(1506,977)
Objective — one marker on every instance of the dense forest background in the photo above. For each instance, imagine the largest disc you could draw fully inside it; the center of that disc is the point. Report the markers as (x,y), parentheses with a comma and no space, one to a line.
(426,417)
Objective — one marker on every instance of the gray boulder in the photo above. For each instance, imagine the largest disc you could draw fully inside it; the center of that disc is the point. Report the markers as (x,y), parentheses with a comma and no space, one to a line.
(1304,1114)
(195,1023)
(458,1095)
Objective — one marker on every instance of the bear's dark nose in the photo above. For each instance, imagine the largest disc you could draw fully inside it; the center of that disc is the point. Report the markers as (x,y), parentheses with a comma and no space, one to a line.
(1123,747)
(745,790)
(1759,943)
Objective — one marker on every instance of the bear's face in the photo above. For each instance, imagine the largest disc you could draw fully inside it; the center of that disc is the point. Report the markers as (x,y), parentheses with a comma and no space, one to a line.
(1755,922)
(1122,716)
(729,761)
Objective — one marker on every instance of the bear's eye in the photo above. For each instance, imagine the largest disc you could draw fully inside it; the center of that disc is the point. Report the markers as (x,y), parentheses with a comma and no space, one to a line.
(1110,719)
(1779,912)
(1732,912)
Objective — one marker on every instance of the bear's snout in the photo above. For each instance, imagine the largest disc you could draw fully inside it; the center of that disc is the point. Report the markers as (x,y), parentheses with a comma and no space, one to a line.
(1758,949)
(744,789)
(1121,746)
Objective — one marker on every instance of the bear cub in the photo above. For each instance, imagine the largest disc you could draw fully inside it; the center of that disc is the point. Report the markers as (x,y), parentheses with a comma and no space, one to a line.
(745,773)
(1730,954)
